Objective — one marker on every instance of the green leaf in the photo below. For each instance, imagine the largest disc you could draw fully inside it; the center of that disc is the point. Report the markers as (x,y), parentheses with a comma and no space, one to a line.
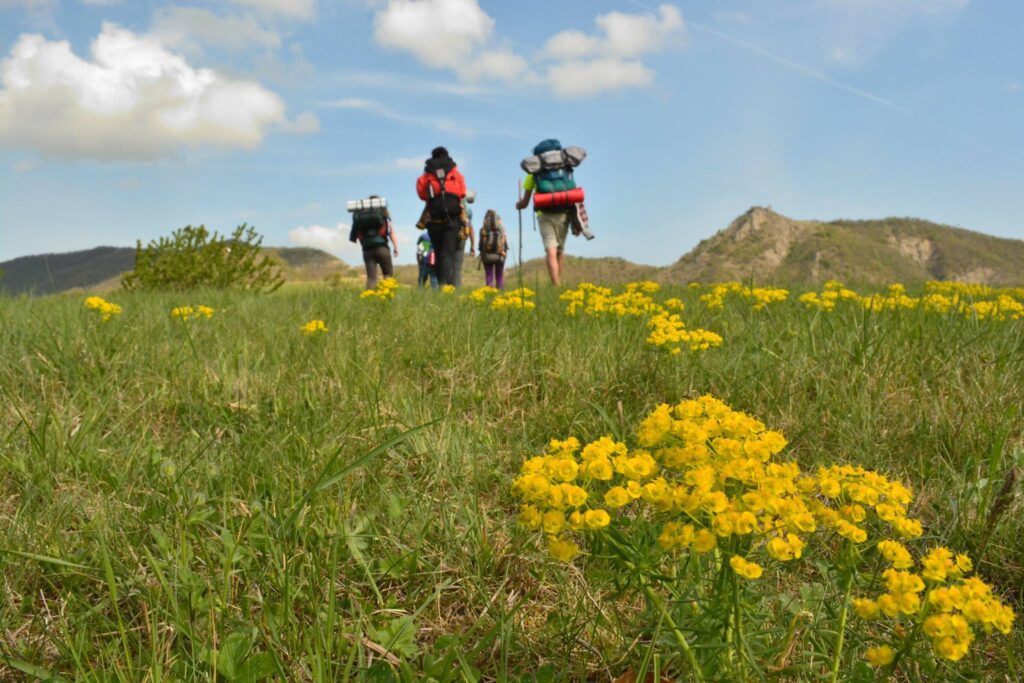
(398,637)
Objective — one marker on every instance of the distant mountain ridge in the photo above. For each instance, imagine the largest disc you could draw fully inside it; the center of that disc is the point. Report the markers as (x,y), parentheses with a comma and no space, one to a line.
(761,245)
(101,268)
(768,247)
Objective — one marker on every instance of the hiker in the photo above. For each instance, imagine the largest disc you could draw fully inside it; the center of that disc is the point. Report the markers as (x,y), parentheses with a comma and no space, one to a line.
(466,233)
(426,259)
(442,188)
(493,249)
(371,225)
(557,200)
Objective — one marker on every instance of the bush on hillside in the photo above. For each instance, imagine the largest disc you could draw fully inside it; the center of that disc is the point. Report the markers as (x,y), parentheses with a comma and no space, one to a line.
(192,257)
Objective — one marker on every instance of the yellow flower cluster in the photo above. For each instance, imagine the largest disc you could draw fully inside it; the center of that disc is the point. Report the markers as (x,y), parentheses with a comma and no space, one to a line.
(952,606)
(384,291)
(667,329)
(760,297)
(517,299)
(103,308)
(594,300)
(184,313)
(706,476)
(448,289)
(974,301)
(313,327)
(480,294)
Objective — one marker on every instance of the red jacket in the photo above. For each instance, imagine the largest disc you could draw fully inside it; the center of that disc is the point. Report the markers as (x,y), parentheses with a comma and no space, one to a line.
(454,184)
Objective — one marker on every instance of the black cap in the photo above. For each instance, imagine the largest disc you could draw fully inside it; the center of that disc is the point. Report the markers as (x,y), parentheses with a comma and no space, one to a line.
(439,153)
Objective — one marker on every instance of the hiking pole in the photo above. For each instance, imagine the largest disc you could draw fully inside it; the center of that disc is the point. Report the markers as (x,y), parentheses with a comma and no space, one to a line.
(519,263)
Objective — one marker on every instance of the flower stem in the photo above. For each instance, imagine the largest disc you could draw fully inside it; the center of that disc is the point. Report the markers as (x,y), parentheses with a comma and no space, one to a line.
(680,638)
(843,612)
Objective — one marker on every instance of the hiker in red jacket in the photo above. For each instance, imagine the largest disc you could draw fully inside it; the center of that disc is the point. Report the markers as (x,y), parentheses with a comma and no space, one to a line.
(442,188)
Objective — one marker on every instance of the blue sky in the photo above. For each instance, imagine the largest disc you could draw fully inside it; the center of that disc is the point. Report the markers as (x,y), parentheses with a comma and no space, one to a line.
(125,120)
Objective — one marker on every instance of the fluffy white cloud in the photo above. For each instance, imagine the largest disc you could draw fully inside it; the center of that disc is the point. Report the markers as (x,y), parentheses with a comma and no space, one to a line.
(459,35)
(331,239)
(588,65)
(294,9)
(440,33)
(188,28)
(133,100)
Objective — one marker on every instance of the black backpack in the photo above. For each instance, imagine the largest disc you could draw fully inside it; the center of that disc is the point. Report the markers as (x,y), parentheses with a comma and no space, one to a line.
(371,227)
(442,206)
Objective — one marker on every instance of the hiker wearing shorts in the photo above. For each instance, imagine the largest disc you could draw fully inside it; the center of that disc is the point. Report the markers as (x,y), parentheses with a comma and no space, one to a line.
(442,189)
(553,225)
(557,200)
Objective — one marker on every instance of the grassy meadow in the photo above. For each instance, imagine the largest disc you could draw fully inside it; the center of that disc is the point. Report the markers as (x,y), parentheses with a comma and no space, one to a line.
(229,499)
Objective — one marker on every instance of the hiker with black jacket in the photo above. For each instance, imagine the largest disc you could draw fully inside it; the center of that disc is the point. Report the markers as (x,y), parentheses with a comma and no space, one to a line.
(442,188)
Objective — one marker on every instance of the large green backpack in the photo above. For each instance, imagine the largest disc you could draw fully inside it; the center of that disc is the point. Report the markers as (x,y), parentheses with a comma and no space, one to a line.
(371,227)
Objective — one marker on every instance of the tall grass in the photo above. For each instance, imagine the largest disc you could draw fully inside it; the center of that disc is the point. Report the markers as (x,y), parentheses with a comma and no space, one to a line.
(228,499)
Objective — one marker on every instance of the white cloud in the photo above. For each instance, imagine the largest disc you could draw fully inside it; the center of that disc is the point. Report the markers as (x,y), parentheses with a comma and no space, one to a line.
(294,9)
(440,33)
(189,28)
(459,35)
(384,111)
(133,100)
(1014,87)
(331,239)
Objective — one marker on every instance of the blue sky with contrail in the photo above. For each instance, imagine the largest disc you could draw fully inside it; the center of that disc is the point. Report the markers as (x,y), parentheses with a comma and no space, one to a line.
(122,121)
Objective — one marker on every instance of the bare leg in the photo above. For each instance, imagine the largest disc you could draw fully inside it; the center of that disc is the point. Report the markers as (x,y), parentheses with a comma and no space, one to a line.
(554,260)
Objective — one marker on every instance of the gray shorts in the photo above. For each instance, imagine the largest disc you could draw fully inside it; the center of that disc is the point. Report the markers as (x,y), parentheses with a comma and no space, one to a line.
(554,227)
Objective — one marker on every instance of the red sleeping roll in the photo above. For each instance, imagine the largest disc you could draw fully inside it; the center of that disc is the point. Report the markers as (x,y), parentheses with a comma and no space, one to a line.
(553,199)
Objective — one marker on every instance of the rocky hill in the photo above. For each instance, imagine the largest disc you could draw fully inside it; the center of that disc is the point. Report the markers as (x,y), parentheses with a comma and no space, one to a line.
(770,248)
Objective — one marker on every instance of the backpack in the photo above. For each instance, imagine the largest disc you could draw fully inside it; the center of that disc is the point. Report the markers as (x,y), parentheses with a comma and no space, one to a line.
(492,239)
(442,205)
(552,166)
(371,227)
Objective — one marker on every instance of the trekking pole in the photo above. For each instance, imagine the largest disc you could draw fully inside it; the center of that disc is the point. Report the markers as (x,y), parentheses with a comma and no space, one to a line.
(519,198)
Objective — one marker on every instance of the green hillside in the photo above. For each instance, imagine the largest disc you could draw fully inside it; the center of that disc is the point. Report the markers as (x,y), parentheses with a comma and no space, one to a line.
(761,245)
(100,269)
(769,247)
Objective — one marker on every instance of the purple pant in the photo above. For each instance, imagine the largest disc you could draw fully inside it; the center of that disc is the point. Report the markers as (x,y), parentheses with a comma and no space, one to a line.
(495,273)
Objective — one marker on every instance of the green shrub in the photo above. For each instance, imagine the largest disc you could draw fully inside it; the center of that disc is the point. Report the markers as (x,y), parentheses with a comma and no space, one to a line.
(193,257)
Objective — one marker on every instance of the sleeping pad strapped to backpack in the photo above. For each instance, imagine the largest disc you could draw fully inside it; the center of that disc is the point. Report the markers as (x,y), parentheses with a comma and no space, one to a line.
(552,169)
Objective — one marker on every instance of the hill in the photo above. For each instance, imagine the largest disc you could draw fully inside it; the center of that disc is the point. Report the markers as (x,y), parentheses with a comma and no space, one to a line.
(761,245)
(100,269)
(769,247)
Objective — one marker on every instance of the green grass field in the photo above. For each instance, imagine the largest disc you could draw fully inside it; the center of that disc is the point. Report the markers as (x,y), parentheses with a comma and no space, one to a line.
(228,499)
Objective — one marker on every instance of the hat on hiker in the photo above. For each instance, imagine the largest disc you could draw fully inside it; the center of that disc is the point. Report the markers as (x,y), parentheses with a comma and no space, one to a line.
(439,153)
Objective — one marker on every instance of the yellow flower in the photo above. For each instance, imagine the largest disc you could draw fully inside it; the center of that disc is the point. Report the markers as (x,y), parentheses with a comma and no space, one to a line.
(617,497)
(596,519)
(865,608)
(530,517)
(879,656)
(313,327)
(745,568)
(448,289)
(561,550)
(553,521)
(896,553)
(704,541)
